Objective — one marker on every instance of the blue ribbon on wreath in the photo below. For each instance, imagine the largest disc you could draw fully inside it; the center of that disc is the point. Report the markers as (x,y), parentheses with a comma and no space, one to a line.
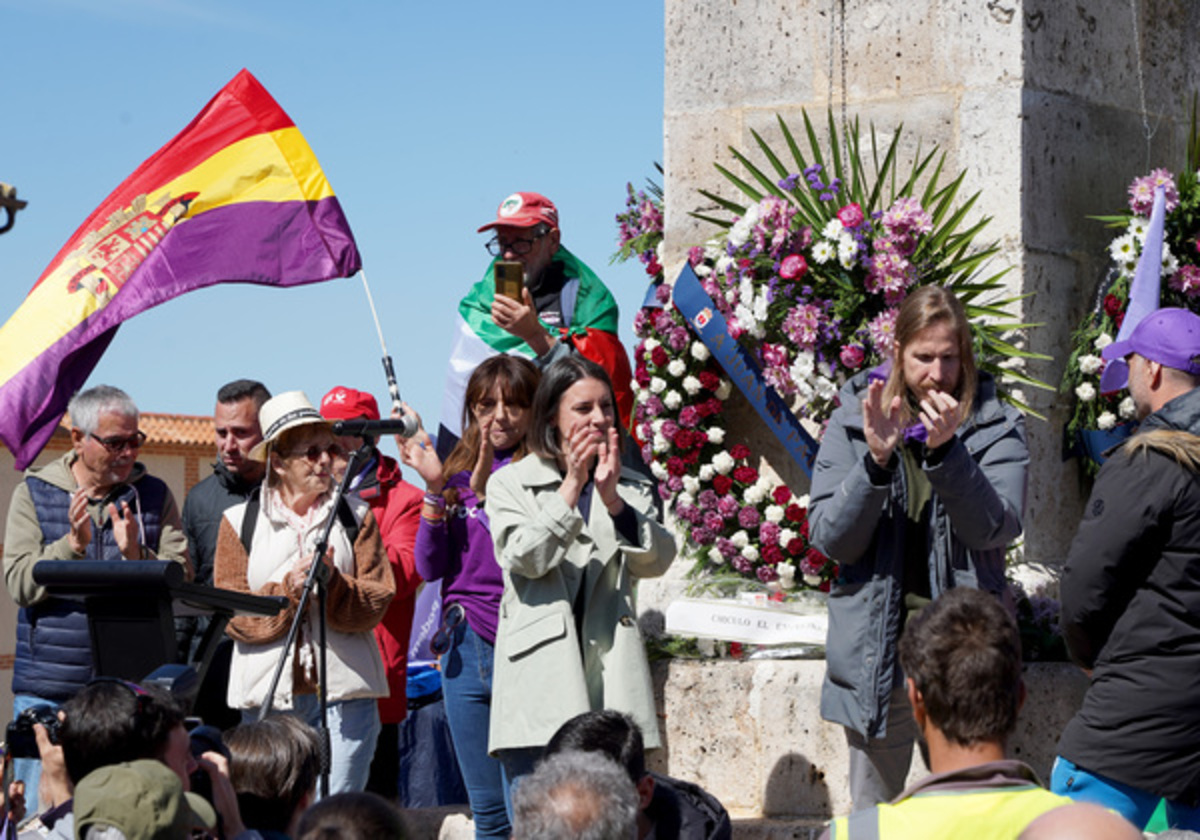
(707,322)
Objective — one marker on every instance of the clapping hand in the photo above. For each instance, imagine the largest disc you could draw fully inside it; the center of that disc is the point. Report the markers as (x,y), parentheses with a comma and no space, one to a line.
(81,523)
(418,452)
(125,530)
(940,417)
(882,425)
(608,472)
(483,462)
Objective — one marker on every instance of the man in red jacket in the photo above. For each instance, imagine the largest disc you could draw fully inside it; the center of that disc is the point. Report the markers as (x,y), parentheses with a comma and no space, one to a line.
(397,508)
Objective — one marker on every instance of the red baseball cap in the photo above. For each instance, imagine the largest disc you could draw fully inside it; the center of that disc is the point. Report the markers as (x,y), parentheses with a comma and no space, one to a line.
(348,404)
(524,209)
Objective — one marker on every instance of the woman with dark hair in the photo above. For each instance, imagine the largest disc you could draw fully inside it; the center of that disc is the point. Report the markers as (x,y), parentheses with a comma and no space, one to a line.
(454,545)
(572,530)
(919,486)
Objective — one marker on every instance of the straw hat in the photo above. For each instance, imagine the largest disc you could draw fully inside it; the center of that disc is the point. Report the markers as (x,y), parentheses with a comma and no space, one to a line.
(280,413)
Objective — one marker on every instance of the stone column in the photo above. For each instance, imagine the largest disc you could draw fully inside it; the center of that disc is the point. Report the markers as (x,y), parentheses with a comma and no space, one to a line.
(1037,100)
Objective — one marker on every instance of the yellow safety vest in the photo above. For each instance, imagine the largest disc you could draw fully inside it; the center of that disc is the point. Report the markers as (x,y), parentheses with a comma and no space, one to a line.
(999,813)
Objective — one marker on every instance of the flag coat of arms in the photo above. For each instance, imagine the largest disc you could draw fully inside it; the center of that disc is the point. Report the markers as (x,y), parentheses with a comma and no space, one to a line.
(237,196)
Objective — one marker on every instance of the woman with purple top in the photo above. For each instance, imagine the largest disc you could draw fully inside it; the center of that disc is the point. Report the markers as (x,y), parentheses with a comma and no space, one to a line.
(454,545)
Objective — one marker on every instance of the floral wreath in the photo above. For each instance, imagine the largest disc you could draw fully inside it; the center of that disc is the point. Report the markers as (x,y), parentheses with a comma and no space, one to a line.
(809,275)
(1179,286)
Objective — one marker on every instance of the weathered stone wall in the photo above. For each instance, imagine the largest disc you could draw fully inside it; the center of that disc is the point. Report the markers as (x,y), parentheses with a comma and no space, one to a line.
(1037,100)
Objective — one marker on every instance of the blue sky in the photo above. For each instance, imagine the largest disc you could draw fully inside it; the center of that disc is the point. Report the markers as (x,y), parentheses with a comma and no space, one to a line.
(423,115)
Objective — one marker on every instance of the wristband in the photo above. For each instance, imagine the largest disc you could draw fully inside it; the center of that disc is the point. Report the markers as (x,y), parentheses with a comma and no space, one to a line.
(437,501)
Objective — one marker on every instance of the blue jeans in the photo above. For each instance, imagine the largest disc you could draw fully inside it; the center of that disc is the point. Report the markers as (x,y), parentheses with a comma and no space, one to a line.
(467,693)
(353,730)
(29,770)
(1134,804)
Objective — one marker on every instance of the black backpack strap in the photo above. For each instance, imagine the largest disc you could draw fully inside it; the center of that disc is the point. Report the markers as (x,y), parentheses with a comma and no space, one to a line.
(250,519)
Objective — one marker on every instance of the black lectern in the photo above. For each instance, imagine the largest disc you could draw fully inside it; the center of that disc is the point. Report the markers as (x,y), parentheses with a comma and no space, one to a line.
(130,605)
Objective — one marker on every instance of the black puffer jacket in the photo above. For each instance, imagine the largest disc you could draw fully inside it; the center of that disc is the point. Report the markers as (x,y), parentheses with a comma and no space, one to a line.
(1131,610)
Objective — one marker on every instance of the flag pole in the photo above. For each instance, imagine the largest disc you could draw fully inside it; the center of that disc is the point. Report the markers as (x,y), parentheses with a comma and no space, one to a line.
(388,370)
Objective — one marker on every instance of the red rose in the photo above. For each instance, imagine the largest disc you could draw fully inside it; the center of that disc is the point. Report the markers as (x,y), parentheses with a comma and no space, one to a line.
(795,546)
(659,356)
(815,558)
(714,405)
(676,466)
(746,475)
(782,495)
(740,452)
(851,215)
(793,267)
(709,380)
(1112,305)
(795,513)
(772,554)
(682,439)
(692,457)
(722,484)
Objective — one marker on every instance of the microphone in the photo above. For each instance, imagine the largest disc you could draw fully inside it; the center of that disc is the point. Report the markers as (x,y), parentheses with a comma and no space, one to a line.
(405,426)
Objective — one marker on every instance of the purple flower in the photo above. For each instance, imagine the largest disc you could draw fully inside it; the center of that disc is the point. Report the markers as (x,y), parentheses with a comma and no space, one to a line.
(669,429)
(703,536)
(654,405)
(728,549)
(663,294)
(689,513)
(678,338)
(742,565)
(748,517)
(675,483)
(714,521)
(689,417)
(664,492)
(789,183)
(707,500)
(768,533)
(766,574)
(727,505)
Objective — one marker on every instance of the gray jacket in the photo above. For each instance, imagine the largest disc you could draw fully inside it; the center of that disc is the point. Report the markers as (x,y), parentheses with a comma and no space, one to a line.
(978,500)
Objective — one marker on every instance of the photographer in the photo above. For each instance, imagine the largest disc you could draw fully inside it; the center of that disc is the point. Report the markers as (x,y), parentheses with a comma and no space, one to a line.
(111,721)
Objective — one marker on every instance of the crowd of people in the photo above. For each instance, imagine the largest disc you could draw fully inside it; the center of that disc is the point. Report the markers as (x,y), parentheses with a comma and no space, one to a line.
(536,521)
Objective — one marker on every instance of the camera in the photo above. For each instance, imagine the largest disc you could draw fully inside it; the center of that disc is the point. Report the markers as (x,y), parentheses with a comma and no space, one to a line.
(22,743)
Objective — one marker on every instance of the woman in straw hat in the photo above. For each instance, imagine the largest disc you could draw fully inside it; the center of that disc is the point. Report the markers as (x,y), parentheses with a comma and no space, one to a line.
(266,546)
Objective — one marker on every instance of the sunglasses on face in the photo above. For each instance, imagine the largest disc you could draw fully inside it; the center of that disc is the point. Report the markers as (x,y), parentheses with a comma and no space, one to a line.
(117,444)
(313,452)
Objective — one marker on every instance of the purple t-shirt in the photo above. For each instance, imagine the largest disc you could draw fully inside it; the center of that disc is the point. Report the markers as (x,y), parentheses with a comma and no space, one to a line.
(458,551)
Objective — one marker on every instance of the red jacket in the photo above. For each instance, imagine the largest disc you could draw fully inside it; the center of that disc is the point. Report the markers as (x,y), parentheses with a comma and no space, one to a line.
(397,508)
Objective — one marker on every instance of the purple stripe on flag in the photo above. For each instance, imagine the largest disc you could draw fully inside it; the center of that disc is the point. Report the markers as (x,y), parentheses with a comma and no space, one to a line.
(273,243)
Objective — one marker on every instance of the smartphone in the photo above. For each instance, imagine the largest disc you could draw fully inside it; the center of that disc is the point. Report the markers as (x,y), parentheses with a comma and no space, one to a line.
(510,279)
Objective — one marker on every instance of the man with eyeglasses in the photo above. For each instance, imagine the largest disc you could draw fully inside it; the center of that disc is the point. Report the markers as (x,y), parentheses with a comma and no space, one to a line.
(564,308)
(96,502)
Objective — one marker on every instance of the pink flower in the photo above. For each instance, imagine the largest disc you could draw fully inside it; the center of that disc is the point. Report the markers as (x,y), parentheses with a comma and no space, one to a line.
(852,356)
(1141,192)
(851,216)
(793,266)
(883,332)
(905,216)
(802,325)
(1186,280)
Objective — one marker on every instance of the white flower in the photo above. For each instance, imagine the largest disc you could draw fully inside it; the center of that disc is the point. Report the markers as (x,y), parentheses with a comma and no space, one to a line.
(787,575)
(833,229)
(656,425)
(740,232)
(760,306)
(812,580)
(723,463)
(823,252)
(716,435)
(740,539)
(677,367)
(1138,226)
(803,501)
(672,400)
(826,389)
(750,553)
(685,498)
(716,557)
(657,385)
(660,443)
(774,513)
(754,495)
(1090,364)
(847,249)
(1086,392)
(731,295)
(713,250)
(1123,248)
(803,365)
(702,270)
(706,472)
(724,389)
(659,471)
(1127,409)
(1170,263)
(700,352)
(723,264)
(1102,341)
(786,535)
(691,385)
(846,259)
(691,484)
(1106,420)
(650,344)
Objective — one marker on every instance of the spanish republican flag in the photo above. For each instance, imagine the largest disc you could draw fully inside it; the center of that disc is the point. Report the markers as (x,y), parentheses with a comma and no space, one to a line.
(588,307)
(237,196)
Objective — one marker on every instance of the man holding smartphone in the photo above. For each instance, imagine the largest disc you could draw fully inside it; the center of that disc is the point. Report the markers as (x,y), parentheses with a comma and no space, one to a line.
(536,299)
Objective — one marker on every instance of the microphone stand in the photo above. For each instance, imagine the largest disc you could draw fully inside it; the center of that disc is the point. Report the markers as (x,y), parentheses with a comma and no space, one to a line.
(318,577)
